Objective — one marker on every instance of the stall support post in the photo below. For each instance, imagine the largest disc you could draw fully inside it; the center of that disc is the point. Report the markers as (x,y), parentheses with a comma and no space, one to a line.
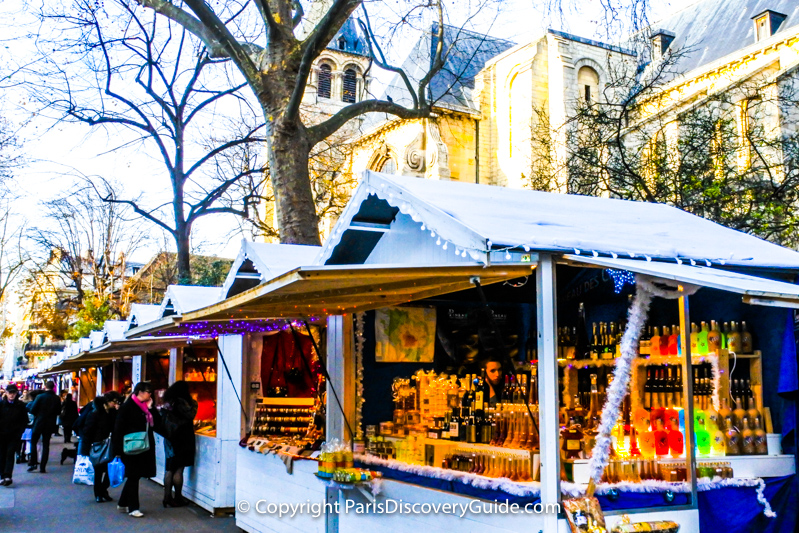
(341,369)
(546,312)
(100,380)
(137,372)
(175,365)
(115,376)
(688,404)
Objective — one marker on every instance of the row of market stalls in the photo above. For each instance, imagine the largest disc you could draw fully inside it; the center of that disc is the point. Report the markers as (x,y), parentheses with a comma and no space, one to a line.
(378,343)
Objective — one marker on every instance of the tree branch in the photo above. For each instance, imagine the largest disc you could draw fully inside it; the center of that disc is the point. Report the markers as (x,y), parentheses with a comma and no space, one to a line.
(186,20)
(325,129)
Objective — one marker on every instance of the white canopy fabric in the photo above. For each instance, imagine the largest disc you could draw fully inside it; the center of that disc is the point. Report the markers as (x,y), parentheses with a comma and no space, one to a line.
(143,313)
(499,217)
(755,289)
(186,298)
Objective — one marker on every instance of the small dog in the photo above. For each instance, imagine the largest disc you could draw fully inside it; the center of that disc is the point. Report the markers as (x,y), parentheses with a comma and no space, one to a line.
(69,452)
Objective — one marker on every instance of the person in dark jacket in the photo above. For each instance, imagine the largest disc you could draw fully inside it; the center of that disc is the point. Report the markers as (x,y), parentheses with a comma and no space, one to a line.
(177,416)
(137,414)
(69,414)
(45,410)
(98,427)
(13,419)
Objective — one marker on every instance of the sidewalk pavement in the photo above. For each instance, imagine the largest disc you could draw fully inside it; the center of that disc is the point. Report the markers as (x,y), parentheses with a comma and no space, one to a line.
(47,503)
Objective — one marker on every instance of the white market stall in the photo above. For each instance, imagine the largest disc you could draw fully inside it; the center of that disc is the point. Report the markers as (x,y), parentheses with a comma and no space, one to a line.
(452,246)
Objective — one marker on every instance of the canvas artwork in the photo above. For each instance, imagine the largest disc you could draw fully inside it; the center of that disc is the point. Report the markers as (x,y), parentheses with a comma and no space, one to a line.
(405,335)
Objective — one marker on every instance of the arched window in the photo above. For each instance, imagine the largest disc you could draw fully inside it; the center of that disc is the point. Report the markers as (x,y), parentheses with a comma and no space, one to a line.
(588,83)
(323,86)
(389,166)
(350,86)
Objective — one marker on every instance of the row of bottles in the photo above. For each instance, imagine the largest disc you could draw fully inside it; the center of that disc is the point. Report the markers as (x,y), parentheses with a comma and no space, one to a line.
(604,342)
(704,339)
(195,375)
(289,420)
(489,464)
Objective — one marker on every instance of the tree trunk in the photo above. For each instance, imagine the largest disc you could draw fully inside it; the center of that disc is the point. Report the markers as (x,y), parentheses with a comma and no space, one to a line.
(183,241)
(289,147)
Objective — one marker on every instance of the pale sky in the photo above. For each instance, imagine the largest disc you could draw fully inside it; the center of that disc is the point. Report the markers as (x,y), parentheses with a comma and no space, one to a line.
(57,153)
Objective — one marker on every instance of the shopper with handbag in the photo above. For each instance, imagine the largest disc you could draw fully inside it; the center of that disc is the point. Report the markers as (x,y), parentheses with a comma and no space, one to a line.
(45,409)
(134,442)
(96,441)
(177,416)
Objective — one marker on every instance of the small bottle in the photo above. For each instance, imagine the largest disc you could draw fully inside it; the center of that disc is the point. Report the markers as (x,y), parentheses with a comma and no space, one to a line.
(674,341)
(676,442)
(661,439)
(739,413)
(694,338)
(718,443)
(746,339)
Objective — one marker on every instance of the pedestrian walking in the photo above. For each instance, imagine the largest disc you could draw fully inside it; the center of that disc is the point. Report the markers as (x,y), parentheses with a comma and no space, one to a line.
(177,418)
(13,419)
(136,415)
(45,410)
(69,414)
(98,426)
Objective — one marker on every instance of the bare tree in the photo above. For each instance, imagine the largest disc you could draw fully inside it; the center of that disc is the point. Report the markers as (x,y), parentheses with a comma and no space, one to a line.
(13,257)
(261,38)
(149,82)
(83,251)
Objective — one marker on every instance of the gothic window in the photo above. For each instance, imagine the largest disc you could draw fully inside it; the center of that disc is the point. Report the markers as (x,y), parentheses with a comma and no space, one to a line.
(588,82)
(383,160)
(323,86)
(350,86)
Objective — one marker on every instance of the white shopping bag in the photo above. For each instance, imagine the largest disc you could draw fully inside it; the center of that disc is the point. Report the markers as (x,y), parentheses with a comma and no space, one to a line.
(84,471)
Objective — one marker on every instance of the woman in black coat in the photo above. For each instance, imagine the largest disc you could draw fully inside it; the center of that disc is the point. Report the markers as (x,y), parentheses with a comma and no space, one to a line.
(97,427)
(133,418)
(177,416)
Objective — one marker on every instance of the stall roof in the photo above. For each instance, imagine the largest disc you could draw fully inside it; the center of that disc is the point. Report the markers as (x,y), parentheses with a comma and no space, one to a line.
(181,299)
(478,218)
(142,313)
(115,329)
(259,262)
(756,290)
(326,290)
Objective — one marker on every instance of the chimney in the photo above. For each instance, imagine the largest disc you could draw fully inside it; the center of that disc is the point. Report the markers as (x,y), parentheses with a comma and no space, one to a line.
(661,40)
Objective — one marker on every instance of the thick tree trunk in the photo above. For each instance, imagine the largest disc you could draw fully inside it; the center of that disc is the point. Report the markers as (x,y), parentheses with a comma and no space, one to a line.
(294,202)
(183,242)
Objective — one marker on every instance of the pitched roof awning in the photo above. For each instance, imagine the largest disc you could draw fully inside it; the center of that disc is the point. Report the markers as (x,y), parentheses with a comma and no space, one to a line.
(329,290)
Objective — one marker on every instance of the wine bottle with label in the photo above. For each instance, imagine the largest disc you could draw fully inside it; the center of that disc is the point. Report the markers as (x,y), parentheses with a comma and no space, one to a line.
(701,340)
(654,343)
(734,339)
(733,438)
(760,440)
(747,439)
(714,338)
(746,339)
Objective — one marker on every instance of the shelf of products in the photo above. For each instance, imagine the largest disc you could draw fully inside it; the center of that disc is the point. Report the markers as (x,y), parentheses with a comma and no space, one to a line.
(447,422)
(199,369)
(289,417)
(729,418)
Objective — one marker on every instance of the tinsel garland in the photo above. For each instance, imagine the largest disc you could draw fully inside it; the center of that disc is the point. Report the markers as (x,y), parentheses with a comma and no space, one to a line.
(569,490)
(522,489)
(621,379)
(359,400)
(645,290)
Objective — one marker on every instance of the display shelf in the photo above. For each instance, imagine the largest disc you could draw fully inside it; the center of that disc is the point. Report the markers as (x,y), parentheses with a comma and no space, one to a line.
(743,466)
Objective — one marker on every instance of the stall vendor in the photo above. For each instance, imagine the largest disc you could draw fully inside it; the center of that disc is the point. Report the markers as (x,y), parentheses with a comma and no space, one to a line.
(494,380)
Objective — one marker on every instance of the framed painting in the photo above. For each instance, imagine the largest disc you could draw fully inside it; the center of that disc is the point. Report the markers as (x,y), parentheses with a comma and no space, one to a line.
(405,335)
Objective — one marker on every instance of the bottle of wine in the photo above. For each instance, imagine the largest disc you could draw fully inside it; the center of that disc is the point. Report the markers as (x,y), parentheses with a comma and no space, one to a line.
(582,350)
(746,339)
(694,338)
(714,338)
(734,339)
(593,411)
(733,438)
(674,340)
(454,424)
(607,349)
(595,343)
(664,341)
(760,440)
(747,439)
(701,340)
(654,343)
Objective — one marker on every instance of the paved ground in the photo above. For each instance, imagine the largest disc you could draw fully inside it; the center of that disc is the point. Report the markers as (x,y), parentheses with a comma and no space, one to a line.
(51,503)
